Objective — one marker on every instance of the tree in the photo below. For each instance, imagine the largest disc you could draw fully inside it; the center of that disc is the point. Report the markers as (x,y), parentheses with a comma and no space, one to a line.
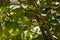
(29,20)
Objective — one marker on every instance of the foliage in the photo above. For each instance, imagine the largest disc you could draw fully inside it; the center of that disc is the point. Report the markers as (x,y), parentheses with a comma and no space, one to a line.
(29,19)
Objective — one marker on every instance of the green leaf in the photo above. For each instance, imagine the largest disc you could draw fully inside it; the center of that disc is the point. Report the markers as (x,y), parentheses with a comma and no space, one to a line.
(10,25)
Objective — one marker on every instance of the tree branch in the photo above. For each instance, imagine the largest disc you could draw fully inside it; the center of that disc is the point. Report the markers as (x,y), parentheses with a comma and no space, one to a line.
(36,10)
(45,23)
